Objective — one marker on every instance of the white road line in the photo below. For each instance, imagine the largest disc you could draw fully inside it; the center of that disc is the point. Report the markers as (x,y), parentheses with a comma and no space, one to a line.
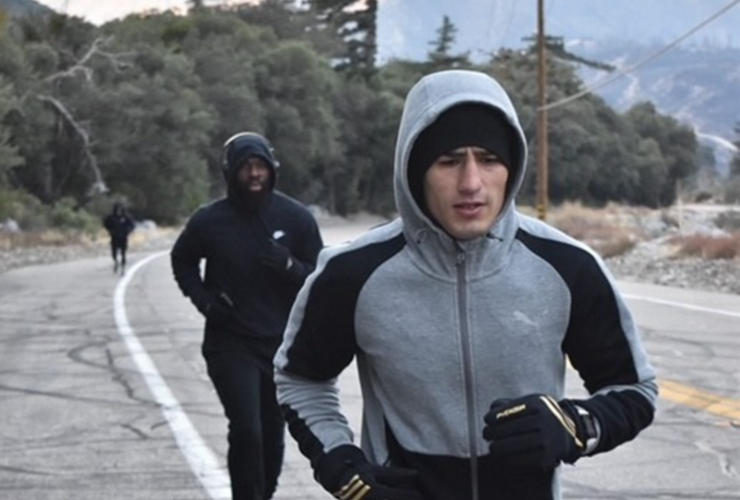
(682,305)
(202,460)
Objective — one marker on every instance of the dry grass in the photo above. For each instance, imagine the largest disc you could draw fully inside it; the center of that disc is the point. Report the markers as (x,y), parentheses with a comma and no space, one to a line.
(708,247)
(46,238)
(55,238)
(610,231)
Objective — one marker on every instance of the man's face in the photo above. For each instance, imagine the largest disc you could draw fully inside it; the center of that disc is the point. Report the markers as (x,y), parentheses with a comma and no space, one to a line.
(254,176)
(464,191)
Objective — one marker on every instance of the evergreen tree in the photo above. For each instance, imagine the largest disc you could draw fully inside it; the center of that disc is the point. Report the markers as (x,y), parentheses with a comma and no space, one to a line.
(441,57)
(355,22)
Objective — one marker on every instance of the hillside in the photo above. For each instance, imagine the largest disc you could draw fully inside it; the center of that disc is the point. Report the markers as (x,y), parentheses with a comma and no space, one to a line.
(23,7)
(697,81)
(697,85)
(405,27)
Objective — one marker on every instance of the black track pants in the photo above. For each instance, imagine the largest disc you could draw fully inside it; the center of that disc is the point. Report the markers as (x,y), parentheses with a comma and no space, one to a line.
(256,426)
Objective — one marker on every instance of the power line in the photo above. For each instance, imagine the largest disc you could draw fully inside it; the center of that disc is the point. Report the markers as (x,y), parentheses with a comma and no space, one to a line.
(499,6)
(641,63)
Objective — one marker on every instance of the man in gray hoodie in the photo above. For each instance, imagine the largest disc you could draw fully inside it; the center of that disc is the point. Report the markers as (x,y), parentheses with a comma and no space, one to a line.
(461,315)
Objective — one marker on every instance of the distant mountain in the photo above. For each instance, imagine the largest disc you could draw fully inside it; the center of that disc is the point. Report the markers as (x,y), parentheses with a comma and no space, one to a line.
(22,7)
(405,27)
(697,85)
(697,81)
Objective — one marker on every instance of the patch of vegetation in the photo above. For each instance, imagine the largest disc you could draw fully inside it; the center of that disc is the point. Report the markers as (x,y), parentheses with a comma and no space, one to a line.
(708,247)
(728,221)
(44,238)
(732,190)
(610,231)
(44,225)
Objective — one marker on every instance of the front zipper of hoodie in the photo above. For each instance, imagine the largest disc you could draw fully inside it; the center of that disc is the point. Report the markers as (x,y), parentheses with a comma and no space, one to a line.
(467,367)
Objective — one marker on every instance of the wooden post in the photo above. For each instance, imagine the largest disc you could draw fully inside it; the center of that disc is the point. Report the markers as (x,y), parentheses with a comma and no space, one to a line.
(542,145)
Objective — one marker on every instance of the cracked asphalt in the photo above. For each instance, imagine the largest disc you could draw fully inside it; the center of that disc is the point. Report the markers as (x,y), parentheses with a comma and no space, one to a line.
(78,418)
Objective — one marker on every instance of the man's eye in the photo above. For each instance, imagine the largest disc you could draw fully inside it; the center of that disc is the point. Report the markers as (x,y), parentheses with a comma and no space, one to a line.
(490,159)
(448,160)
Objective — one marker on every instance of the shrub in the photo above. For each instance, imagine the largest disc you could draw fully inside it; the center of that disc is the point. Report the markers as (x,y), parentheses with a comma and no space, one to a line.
(65,216)
(728,221)
(23,208)
(608,231)
(708,247)
(732,191)
(42,225)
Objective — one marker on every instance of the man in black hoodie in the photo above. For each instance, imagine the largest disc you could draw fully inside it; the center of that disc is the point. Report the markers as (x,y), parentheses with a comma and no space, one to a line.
(119,225)
(258,245)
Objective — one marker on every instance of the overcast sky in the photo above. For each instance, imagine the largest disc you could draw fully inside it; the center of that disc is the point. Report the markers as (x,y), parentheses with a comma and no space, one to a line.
(485,24)
(100,11)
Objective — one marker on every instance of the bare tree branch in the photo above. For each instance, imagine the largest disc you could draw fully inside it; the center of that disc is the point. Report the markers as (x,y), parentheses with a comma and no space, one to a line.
(98,186)
(96,49)
(81,67)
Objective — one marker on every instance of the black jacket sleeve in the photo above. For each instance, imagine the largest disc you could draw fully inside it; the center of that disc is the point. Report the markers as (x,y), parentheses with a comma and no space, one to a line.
(185,258)
(306,251)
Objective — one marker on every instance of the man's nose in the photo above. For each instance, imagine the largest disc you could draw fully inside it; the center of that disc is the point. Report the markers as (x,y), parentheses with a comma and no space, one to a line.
(254,170)
(470,179)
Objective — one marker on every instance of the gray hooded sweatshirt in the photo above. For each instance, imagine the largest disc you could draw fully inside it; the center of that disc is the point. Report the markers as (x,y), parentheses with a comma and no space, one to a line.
(441,328)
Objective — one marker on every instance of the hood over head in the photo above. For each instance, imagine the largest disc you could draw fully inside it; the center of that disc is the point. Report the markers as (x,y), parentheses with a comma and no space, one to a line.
(447,110)
(236,150)
(243,145)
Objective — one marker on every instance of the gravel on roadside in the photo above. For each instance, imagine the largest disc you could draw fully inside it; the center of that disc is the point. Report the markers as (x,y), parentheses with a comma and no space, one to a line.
(149,240)
(646,263)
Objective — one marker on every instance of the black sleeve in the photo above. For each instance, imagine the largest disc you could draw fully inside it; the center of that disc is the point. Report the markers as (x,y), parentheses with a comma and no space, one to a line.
(185,258)
(601,348)
(603,345)
(306,251)
(130,224)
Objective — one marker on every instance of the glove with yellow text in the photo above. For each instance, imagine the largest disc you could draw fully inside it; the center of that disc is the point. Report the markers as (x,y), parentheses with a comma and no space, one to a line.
(345,473)
(535,431)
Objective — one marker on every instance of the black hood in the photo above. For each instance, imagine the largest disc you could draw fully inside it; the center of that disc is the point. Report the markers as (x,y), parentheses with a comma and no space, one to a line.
(242,146)
(235,153)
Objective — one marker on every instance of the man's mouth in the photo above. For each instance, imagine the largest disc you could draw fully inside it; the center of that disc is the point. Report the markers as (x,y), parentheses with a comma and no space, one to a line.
(469,208)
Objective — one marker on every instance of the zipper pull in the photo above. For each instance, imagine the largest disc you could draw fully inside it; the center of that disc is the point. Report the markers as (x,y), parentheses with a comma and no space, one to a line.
(460,258)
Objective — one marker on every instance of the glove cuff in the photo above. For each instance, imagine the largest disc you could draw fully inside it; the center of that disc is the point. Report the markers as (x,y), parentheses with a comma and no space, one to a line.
(331,469)
(201,299)
(590,427)
(585,426)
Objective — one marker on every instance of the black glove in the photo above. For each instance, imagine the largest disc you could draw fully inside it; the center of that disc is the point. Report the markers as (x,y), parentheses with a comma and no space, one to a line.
(276,256)
(535,431)
(345,473)
(216,307)
(221,310)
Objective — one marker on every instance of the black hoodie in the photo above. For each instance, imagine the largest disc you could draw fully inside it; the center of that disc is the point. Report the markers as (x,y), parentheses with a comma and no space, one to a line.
(230,237)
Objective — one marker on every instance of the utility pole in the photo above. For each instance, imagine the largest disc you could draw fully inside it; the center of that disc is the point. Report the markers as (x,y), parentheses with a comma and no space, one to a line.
(542,147)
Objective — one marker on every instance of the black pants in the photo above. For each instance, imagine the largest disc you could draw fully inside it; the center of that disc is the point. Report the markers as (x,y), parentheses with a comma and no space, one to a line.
(256,426)
(118,246)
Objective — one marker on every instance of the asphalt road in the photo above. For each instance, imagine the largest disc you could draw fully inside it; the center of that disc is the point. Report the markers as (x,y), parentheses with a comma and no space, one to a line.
(103,394)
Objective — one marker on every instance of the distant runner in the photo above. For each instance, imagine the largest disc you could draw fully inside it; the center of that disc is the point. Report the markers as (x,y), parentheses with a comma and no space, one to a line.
(119,224)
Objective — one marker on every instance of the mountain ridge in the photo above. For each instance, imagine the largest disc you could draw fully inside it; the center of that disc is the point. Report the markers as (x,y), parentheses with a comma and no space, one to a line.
(697,81)
(405,27)
(23,7)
